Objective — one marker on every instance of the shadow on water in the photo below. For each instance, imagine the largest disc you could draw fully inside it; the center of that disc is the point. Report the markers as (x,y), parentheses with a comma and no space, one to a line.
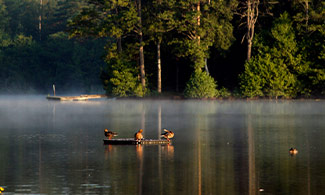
(220,147)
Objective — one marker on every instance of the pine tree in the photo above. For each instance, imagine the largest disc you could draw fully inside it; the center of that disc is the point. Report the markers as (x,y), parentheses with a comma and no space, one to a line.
(273,71)
(309,17)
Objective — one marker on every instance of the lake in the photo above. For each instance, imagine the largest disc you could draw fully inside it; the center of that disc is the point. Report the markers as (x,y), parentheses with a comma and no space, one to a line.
(220,147)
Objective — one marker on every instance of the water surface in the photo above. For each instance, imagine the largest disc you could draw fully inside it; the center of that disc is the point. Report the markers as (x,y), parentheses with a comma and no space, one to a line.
(220,147)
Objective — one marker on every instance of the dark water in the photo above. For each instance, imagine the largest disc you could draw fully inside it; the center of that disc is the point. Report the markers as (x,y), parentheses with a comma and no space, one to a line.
(220,147)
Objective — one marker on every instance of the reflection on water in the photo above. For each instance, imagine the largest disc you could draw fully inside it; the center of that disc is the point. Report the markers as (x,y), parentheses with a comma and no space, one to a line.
(220,147)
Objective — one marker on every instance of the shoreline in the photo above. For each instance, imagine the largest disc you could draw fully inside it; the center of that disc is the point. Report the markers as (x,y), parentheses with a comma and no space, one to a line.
(181,97)
(219,99)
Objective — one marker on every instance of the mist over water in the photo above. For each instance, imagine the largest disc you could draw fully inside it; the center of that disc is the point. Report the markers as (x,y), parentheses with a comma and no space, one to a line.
(220,147)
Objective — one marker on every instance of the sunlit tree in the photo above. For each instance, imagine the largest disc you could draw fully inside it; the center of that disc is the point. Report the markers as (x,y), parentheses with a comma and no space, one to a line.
(273,71)
(116,21)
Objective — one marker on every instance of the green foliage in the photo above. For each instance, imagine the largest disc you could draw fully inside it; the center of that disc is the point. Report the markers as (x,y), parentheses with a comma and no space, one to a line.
(124,83)
(121,78)
(266,76)
(29,66)
(4,22)
(220,18)
(287,60)
(199,28)
(108,18)
(201,25)
(273,71)
(160,14)
(310,27)
(223,93)
(200,85)
(119,21)
(214,27)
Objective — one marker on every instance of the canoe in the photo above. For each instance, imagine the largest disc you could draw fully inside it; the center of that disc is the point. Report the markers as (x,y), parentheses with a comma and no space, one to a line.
(75,98)
(132,141)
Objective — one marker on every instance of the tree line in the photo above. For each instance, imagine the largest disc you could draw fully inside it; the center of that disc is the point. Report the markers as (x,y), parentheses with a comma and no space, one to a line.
(198,48)
(36,52)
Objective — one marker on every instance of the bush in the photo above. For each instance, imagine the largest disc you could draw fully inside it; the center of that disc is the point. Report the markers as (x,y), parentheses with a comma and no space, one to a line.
(264,76)
(122,79)
(123,83)
(200,85)
(223,92)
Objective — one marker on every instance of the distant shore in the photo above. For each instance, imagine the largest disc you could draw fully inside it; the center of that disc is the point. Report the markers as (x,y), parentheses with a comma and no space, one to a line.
(181,97)
(176,96)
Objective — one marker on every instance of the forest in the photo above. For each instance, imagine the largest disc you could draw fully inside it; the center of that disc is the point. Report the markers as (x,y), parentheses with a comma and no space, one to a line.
(137,48)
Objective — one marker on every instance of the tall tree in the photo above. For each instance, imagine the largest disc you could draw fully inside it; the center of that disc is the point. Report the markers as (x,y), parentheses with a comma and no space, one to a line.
(161,22)
(309,17)
(118,20)
(141,54)
(40,20)
(199,24)
(64,11)
(197,34)
(273,71)
(108,18)
(249,9)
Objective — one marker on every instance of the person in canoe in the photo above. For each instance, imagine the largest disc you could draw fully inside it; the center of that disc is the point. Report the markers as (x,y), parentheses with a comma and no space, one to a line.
(138,135)
(109,134)
(168,134)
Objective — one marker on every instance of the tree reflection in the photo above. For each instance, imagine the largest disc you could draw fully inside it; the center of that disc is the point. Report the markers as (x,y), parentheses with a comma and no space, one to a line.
(252,182)
(220,148)
(159,121)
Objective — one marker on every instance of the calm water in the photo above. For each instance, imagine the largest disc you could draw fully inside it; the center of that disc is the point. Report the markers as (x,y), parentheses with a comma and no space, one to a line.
(220,147)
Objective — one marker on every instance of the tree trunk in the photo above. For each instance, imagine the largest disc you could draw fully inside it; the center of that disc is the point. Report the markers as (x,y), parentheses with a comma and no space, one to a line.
(198,21)
(252,181)
(141,55)
(40,20)
(249,49)
(249,28)
(159,67)
(198,59)
(251,16)
(142,71)
(206,66)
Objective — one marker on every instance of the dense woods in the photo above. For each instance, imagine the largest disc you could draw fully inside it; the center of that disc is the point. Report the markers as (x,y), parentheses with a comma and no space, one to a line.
(196,48)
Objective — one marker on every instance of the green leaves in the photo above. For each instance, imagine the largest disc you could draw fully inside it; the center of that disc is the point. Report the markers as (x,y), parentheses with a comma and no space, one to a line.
(287,59)
(122,79)
(272,73)
(105,19)
(200,85)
